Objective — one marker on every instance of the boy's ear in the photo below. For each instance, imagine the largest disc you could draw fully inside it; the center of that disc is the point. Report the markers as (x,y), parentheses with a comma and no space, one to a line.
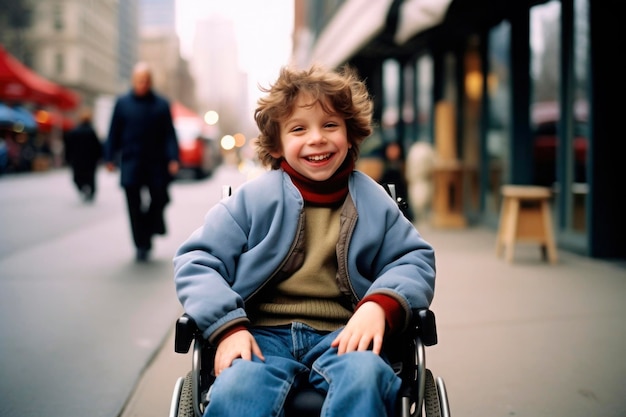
(276,154)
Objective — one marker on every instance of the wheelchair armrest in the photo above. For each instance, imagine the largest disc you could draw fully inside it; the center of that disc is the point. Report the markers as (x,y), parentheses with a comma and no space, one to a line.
(426,327)
(186,332)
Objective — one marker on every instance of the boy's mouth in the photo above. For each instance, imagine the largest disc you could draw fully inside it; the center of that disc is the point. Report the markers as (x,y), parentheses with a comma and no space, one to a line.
(318,158)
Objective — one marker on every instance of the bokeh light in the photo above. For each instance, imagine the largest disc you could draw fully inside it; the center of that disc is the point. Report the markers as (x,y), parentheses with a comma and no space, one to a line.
(240,139)
(228,142)
(211,117)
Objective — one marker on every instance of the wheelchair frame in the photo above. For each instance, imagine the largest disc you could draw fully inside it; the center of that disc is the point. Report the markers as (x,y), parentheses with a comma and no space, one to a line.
(421,394)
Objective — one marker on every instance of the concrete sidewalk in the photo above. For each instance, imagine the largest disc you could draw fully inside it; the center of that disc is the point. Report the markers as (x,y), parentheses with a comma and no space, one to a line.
(521,339)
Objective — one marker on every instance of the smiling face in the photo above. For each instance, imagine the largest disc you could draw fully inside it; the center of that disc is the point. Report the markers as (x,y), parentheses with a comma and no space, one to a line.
(313,142)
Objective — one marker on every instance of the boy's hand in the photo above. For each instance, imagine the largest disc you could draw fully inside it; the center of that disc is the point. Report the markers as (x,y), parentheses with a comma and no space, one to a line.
(240,344)
(365,330)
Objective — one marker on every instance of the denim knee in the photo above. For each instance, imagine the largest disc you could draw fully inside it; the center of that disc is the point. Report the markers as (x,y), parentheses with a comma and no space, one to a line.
(250,388)
(356,368)
(356,384)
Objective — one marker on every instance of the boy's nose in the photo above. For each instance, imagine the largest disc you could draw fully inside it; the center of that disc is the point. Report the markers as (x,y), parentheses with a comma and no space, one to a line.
(317,136)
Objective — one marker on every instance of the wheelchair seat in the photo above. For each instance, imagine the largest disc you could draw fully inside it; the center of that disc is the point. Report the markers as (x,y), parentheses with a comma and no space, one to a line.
(421,394)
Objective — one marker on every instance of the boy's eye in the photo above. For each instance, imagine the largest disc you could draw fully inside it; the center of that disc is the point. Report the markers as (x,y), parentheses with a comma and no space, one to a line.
(331,124)
(297,129)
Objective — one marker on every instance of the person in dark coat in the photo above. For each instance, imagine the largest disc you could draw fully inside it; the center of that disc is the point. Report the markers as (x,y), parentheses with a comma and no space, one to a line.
(143,142)
(83,151)
(394,173)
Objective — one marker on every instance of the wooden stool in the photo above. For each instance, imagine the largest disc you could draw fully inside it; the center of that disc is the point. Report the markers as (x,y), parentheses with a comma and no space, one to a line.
(525,216)
(448,195)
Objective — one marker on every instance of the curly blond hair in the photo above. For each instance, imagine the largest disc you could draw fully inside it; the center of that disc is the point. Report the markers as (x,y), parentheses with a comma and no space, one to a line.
(341,92)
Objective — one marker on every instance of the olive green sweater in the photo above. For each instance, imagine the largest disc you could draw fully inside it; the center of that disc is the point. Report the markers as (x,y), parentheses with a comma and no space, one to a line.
(310,295)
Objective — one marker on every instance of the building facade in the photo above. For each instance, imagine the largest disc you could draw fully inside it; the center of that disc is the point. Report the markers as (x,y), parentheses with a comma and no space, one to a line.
(221,83)
(160,47)
(62,40)
(515,92)
(91,48)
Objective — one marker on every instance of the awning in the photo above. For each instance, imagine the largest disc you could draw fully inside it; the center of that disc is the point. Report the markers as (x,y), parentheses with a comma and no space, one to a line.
(355,24)
(359,22)
(20,83)
(417,16)
(7,116)
(17,118)
(26,118)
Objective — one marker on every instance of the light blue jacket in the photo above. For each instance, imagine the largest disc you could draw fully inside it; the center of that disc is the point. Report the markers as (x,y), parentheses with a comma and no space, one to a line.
(255,236)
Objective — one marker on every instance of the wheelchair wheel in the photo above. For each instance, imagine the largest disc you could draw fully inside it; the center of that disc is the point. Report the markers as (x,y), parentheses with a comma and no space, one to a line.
(185,402)
(432,407)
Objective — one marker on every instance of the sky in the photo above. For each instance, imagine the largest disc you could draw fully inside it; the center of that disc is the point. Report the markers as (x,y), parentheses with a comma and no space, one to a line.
(263,27)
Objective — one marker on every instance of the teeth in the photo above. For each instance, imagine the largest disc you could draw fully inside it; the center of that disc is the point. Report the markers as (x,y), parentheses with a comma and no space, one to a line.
(319,157)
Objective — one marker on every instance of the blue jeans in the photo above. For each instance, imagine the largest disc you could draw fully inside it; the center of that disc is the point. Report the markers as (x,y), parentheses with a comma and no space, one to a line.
(359,384)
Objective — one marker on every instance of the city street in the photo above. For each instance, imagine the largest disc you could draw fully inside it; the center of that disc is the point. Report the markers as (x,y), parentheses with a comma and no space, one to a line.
(86,331)
(80,319)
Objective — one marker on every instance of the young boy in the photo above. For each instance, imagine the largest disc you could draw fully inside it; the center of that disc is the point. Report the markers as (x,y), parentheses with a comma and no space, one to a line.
(303,271)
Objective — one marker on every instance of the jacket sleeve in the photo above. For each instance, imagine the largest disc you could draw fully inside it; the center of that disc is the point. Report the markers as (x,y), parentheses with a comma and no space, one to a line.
(394,259)
(113,142)
(171,138)
(204,271)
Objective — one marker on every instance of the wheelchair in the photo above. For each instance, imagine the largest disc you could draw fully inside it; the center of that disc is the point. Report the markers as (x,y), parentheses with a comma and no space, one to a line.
(421,394)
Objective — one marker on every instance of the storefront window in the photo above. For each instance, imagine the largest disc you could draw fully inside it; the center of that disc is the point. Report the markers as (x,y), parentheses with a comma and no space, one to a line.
(424,93)
(473,98)
(546,111)
(498,88)
(578,189)
(391,112)
(545,35)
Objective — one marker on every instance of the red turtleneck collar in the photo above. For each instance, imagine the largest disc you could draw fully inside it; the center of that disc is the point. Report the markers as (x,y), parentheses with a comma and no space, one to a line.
(328,192)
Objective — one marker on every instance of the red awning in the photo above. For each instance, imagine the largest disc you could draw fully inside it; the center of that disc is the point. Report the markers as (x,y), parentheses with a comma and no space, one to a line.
(20,83)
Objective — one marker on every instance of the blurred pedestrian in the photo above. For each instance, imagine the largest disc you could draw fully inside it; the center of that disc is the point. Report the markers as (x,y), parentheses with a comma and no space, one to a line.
(393,173)
(419,175)
(83,151)
(142,140)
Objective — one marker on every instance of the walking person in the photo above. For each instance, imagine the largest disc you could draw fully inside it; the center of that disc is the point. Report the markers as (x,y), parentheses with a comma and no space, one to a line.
(142,141)
(83,151)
